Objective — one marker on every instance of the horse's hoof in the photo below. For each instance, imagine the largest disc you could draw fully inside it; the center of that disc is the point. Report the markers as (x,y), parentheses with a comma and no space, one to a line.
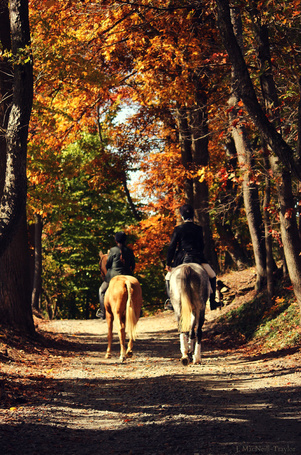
(122,358)
(108,356)
(196,361)
(129,354)
(185,361)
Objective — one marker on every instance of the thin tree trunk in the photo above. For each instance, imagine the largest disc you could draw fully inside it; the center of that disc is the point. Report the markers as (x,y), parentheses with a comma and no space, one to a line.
(186,152)
(37,278)
(199,133)
(272,105)
(268,234)
(234,249)
(193,135)
(135,212)
(289,229)
(250,196)
(245,160)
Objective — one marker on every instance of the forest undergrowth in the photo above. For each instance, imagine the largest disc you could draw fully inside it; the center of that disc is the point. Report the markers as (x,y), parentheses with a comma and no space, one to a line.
(269,326)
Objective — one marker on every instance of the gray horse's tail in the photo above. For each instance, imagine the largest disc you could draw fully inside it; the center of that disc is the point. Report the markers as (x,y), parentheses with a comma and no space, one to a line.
(190,282)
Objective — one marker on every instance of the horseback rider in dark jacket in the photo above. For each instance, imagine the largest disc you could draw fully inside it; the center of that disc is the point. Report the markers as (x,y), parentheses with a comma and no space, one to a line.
(121,261)
(187,245)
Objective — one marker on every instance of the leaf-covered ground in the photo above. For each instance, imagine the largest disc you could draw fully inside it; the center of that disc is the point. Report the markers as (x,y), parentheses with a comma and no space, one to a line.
(59,395)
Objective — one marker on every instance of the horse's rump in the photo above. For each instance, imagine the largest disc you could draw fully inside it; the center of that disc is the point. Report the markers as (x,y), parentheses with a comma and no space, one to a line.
(124,299)
(189,285)
(189,292)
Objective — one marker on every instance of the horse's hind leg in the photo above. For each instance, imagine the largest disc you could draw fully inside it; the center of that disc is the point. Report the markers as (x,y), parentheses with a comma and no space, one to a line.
(197,356)
(198,345)
(191,343)
(121,332)
(191,340)
(129,351)
(109,318)
(184,348)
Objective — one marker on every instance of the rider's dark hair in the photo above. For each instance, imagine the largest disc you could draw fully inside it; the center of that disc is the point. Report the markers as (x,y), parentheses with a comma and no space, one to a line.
(186,212)
(120,237)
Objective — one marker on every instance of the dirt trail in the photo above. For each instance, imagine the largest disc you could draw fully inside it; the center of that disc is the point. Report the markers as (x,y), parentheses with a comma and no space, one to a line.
(74,401)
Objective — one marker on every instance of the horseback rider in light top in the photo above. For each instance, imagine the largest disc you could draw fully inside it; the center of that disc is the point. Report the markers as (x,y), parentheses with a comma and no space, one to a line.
(187,245)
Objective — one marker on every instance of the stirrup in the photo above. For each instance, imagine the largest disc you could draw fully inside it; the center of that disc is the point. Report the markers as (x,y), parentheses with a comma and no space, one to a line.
(168,305)
(100,313)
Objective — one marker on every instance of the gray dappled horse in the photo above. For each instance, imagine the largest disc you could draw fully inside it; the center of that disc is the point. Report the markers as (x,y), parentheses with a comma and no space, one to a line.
(189,292)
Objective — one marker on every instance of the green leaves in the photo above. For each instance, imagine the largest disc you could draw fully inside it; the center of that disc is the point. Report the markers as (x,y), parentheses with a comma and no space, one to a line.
(82,222)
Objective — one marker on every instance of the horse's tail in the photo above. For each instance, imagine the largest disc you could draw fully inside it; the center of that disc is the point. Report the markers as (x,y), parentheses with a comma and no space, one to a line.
(131,315)
(188,303)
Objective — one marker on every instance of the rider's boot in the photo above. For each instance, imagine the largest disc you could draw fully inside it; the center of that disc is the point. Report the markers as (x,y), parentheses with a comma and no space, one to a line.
(101,312)
(167,304)
(213,303)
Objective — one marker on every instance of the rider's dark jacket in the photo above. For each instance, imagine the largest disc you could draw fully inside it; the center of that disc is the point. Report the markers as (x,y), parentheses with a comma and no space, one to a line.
(120,262)
(186,245)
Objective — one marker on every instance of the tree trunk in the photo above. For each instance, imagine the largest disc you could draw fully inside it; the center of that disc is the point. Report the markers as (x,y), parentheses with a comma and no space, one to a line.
(250,196)
(234,249)
(186,152)
(289,229)
(15,283)
(193,135)
(135,212)
(272,105)
(268,235)
(37,276)
(245,160)
(198,122)
(13,197)
(15,289)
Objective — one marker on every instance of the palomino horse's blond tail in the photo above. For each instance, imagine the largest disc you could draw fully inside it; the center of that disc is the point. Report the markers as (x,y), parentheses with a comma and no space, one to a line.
(187,305)
(131,317)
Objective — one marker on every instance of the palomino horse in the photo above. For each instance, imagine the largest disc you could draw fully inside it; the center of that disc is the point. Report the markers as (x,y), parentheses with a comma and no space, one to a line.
(123,301)
(189,292)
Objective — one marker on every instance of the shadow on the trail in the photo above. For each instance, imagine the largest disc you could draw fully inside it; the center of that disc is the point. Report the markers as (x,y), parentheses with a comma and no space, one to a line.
(172,414)
(67,343)
(274,354)
(182,413)
(160,344)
